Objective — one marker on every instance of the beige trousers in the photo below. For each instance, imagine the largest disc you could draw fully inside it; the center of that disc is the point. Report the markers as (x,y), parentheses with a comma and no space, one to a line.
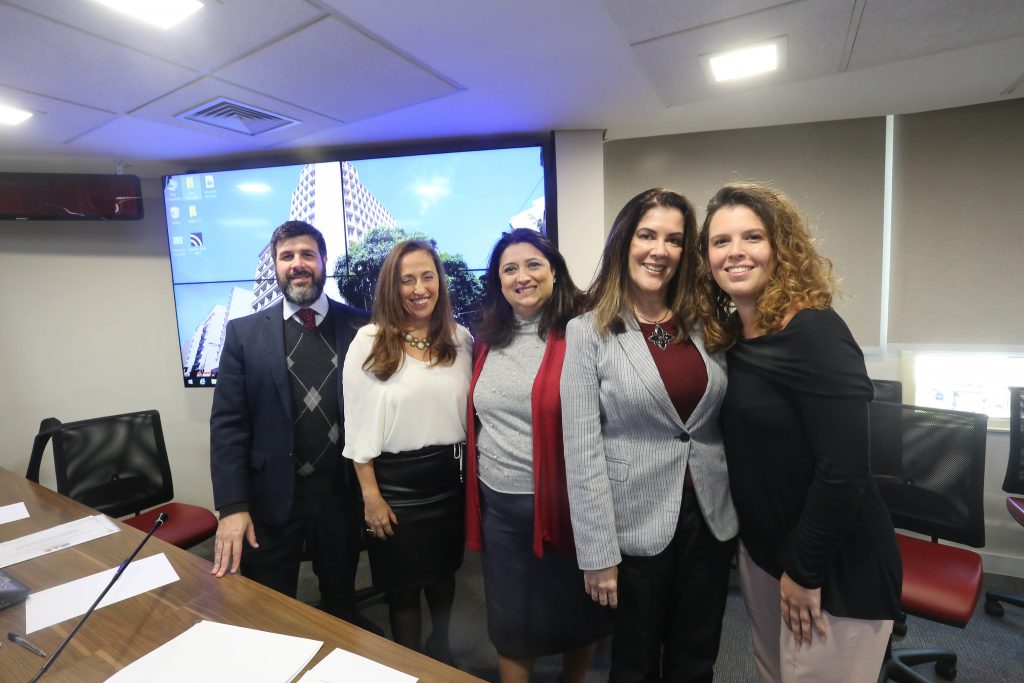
(852,652)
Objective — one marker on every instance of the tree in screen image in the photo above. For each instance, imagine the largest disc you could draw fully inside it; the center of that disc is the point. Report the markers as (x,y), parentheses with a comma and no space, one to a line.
(357,272)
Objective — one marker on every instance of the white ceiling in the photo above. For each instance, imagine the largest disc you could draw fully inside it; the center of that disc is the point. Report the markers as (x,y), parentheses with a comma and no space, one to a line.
(358,72)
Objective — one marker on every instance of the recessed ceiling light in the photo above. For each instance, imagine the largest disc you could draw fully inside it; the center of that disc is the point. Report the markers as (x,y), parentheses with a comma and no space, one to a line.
(160,13)
(747,61)
(12,116)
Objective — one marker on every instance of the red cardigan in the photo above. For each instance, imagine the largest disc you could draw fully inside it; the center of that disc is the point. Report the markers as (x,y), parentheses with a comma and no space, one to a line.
(551,523)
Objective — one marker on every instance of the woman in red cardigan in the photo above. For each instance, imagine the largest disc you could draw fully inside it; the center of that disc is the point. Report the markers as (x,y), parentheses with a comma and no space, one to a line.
(517,508)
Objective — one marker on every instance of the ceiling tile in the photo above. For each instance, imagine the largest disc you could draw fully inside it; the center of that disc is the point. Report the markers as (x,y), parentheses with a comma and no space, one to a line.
(641,21)
(894,31)
(105,76)
(332,68)
(52,121)
(166,108)
(815,33)
(220,32)
(136,138)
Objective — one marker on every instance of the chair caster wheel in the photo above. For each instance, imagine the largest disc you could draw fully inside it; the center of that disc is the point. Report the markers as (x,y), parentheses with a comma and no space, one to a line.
(994,608)
(946,670)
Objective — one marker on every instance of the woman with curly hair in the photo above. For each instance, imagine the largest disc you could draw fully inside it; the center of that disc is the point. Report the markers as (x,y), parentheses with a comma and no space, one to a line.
(405,383)
(819,564)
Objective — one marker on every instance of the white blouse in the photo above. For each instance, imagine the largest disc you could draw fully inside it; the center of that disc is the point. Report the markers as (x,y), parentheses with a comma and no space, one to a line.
(420,405)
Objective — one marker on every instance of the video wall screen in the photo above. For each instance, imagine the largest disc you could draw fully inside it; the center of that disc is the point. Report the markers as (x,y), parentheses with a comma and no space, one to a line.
(219,226)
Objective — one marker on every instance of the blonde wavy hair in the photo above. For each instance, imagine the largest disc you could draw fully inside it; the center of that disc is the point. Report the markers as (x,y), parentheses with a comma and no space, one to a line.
(802,278)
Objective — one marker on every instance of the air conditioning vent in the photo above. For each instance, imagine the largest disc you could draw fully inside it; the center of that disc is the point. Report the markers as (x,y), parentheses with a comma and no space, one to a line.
(237,117)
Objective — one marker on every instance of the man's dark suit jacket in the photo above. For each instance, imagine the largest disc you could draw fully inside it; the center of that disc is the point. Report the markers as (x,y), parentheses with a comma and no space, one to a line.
(251,422)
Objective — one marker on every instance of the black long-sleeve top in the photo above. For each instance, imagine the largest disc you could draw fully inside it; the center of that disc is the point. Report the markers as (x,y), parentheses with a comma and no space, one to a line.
(795,426)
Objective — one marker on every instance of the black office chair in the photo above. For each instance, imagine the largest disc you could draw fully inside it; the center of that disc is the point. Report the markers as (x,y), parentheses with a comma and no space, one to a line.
(888,390)
(932,484)
(1013,483)
(118,465)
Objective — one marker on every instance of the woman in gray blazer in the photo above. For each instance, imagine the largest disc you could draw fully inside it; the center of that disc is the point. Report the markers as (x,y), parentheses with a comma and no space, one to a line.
(648,489)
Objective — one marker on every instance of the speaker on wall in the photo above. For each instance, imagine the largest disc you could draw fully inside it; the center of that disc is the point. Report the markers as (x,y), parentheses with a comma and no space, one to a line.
(70,196)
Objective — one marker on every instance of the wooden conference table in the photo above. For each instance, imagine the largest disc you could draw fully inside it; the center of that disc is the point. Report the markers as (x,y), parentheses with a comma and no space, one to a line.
(117,635)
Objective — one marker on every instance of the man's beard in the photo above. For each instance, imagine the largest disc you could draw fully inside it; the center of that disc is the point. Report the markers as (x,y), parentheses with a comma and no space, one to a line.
(303,295)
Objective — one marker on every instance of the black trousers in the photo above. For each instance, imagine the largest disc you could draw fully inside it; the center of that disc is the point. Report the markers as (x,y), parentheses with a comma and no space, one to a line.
(322,524)
(669,619)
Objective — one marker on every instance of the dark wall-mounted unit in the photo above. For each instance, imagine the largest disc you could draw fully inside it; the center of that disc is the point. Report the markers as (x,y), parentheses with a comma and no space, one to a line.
(70,196)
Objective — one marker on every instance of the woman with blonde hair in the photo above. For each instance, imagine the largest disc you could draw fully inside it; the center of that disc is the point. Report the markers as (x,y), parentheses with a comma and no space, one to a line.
(405,383)
(647,481)
(819,564)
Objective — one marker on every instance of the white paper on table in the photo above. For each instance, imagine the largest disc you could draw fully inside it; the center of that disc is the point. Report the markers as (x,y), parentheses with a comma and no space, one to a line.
(55,538)
(214,653)
(13,512)
(341,666)
(73,598)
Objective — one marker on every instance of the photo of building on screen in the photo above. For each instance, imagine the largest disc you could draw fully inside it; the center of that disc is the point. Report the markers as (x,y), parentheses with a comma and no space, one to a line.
(447,199)
(317,199)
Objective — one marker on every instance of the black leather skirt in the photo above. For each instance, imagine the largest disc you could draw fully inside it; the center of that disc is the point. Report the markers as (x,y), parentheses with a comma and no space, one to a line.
(425,491)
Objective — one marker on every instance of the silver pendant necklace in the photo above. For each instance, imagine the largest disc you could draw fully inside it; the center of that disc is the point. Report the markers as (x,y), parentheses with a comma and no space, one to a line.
(659,337)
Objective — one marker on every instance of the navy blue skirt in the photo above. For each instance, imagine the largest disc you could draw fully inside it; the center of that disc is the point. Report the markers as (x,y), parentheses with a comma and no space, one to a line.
(535,606)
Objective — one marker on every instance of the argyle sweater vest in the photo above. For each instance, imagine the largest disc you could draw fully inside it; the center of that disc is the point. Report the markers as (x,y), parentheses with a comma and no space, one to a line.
(313,367)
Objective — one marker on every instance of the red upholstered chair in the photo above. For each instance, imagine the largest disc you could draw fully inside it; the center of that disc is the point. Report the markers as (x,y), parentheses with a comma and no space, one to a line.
(118,465)
(1013,484)
(929,465)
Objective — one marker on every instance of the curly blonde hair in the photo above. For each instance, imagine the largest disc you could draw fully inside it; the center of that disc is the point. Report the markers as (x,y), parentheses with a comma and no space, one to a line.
(802,278)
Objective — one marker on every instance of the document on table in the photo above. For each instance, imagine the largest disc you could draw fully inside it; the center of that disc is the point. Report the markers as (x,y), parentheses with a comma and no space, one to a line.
(213,653)
(73,598)
(55,538)
(341,667)
(12,512)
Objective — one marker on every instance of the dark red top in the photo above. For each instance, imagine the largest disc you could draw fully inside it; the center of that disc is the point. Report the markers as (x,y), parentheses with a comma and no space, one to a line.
(682,370)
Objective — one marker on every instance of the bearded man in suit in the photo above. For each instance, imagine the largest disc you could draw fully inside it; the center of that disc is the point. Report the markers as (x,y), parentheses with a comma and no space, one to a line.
(281,487)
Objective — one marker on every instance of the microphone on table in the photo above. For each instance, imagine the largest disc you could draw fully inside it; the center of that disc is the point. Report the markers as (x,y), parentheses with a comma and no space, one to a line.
(160,520)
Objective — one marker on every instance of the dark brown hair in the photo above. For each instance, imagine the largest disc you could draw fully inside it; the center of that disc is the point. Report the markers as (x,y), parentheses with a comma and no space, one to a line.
(290,229)
(498,324)
(609,294)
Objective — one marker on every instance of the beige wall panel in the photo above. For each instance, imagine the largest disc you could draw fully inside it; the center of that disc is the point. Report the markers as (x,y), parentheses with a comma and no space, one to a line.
(833,170)
(957,225)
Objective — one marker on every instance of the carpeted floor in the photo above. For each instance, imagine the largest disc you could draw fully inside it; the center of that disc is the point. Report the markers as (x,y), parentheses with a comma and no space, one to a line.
(990,649)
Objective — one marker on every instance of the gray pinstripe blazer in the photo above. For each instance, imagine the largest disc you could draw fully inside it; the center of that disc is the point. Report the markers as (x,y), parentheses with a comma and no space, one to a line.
(626,449)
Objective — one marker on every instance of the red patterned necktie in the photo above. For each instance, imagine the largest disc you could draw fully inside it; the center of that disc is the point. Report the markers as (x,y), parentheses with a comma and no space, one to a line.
(308,318)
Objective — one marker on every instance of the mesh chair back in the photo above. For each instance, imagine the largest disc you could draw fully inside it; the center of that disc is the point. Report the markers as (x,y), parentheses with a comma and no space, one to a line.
(116,464)
(929,465)
(1014,481)
(886,430)
(888,390)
